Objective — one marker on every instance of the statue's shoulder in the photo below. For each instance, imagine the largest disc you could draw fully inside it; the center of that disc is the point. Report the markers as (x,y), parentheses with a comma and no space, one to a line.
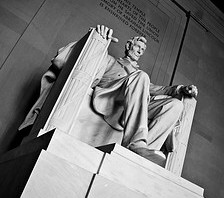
(111,58)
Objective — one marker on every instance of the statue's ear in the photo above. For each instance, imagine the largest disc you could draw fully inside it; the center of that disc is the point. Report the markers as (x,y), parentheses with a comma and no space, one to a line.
(128,46)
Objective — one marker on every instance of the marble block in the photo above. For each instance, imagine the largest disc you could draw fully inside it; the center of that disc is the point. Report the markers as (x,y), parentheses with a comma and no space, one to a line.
(55,177)
(74,151)
(123,171)
(104,188)
(154,169)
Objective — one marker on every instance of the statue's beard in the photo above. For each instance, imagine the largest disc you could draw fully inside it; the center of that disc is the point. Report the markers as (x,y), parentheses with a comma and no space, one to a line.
(133,56)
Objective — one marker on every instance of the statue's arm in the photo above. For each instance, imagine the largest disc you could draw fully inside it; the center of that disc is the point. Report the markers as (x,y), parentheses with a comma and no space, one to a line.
(156,90)
(175,91)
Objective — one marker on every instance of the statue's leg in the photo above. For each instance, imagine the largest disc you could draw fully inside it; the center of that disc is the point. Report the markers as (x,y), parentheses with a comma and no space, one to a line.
(163,115)
(135,116)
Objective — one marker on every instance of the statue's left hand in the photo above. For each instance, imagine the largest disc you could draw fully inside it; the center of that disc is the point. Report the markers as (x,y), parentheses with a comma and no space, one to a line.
(189,90)
(106,33)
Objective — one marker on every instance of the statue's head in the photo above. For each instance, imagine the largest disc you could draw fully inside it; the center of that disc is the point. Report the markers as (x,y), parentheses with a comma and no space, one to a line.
(135,47)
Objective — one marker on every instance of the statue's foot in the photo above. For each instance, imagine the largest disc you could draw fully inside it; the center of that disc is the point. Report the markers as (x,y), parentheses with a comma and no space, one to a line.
(155,156)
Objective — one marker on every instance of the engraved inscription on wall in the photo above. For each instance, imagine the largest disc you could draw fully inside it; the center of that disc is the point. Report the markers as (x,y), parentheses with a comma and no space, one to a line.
(133,17)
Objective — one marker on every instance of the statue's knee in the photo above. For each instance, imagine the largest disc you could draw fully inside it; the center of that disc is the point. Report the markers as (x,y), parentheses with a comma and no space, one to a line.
(143,76)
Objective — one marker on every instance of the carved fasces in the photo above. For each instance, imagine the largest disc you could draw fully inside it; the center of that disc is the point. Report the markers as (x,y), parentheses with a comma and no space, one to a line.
(175,160)
(69,102)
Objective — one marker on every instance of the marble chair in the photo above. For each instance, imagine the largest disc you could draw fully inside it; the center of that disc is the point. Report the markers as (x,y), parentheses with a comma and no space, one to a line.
(68,105)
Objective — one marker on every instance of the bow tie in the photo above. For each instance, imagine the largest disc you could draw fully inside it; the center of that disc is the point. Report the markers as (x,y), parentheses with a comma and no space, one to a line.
(127,65)
(126,62)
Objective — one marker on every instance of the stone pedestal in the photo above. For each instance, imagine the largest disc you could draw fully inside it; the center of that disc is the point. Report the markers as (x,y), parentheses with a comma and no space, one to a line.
(57,165)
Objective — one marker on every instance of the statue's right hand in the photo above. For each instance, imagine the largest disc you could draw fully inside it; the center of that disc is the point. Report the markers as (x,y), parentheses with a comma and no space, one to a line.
(106,33)
(189,90)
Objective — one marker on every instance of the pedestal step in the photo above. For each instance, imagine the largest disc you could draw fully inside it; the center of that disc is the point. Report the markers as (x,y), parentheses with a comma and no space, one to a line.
(105,188)
(127,168)
(56,177)
(75,151)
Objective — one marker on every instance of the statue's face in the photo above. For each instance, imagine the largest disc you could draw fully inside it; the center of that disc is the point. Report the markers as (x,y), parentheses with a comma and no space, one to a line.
(136,50)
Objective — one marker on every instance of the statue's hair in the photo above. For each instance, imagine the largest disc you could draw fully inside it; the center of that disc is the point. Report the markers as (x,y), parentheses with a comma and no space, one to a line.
(132,40)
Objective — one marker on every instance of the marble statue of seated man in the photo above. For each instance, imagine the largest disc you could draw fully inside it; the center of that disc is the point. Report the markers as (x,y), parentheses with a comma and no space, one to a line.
(125,96)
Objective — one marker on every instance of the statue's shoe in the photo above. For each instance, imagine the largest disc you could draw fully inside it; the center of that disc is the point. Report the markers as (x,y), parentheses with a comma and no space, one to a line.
(155,156)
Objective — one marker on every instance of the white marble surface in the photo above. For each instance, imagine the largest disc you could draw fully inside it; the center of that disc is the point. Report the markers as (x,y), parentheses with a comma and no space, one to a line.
(55,177)
(156,170)
(75,151)
(125,172)
(105,188)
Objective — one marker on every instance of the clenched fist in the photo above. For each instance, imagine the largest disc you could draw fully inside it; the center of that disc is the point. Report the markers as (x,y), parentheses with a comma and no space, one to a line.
(189,90)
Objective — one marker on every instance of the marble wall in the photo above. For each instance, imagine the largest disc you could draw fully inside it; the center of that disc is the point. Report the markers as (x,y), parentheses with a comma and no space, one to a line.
(201,63)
